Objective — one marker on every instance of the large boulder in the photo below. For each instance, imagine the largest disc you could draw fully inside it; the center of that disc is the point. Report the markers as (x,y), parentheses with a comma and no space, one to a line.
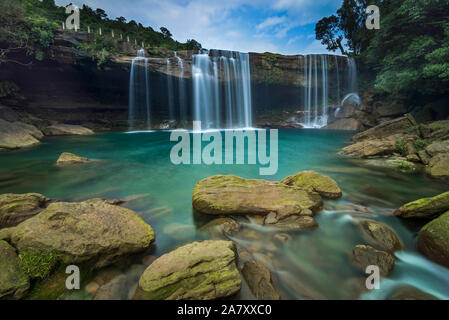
(388,128)
(15,135)
(197,271)
(14,283)
(433,240)
(232,195)
(66,130)
(311,180)
(369,148)
(92,231)
(426,208)
(258,277)
(348,124)
(67,158)
(15,208)
(365,256)
(379,235)
(439,166)
(438,147)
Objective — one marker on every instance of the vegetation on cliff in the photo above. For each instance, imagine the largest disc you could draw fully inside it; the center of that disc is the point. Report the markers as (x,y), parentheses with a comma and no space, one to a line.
(407,57)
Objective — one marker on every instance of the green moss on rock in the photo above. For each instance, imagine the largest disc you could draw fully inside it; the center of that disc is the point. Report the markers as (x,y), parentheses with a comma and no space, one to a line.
(425,208)
(313,181)
(14,283)
(433,240)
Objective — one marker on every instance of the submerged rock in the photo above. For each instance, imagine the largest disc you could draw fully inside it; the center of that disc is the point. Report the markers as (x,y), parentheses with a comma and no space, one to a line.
(232,195)
(399,164)
(15,208)
(425,208)
(433,240)
(365,256)
(67,158)
(379,235)
(87,231)
(15,135)
(221,226)
(410,293)
(66,130)
(197,271)
(313,181)
(14,283)
(259,280)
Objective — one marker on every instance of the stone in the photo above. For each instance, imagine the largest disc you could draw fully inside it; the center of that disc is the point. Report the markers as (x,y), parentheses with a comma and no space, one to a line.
(439,166)
(426,208)
(260,281)
(404,292)
(91,231)
(232,195)
(15,135)
(394,163)
(67,158)
(14,283)
(311,180)
(221,226)
(113,290)
(365,256)
(390,109)
(369,148)
(348,124)
(66,130)
(386,129)
(92,288)
(433,240)
(15,208)
(197,271)
(438,147)
(379,235)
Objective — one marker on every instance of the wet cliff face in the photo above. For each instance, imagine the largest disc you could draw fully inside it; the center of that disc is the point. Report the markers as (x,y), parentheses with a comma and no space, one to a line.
(71,88)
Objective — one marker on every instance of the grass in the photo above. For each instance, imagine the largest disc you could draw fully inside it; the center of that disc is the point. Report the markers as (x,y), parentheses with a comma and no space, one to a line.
(401,147)
(38,265)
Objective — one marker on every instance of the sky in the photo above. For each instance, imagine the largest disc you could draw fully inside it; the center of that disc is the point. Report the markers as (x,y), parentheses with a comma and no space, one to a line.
(278,26)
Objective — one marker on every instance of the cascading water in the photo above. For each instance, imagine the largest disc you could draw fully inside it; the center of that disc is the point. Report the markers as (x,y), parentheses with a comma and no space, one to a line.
(222,90)
(317,89)
(171,104)
(139,93)
(182,91)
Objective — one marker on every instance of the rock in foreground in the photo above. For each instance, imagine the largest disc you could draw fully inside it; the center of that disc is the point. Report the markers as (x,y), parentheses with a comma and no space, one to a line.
(425,208)
(232,195)
(88,231)
(197,271)
(379,235)
(365,256)
(15,208)
(15,135)
(433,240)
(66,130)
(67,158)
(311,180)
(13,281)
(259,280)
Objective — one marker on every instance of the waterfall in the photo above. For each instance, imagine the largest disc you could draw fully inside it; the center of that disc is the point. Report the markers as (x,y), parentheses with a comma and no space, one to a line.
(317,90)
(139,92)
(182,91)
(171,105)
(222,89)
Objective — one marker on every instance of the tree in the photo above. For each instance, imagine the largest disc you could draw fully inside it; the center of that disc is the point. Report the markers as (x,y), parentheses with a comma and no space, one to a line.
(328,31)
(121,20)
(101,13)
(193,45)
(166,33)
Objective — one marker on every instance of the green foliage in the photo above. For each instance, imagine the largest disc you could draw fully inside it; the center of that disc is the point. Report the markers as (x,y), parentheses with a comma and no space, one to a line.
(405,166)
(420,144)
(38,265)
(401,147)
(408,57)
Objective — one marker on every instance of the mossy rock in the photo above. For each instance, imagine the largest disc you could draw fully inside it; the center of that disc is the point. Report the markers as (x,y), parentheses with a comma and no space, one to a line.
(232,195)
(14,283)
(15,208)
(202,270)
(313,181)
(87,231)
(365,256)
(67,158)
(433,240)
(379,235)
(425,208)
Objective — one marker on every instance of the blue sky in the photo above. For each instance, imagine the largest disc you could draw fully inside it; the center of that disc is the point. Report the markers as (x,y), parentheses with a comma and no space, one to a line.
(281,26)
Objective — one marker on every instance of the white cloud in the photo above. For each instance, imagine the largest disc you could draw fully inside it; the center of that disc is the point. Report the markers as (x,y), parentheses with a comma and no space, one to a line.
(270,22)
